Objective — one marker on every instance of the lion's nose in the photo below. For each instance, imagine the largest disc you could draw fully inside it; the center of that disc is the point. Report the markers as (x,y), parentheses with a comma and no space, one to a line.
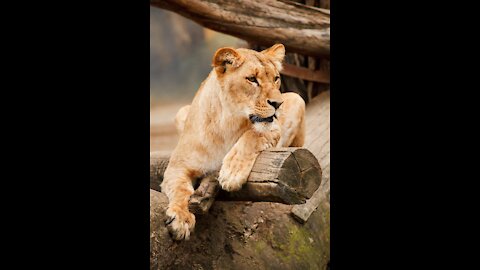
(275,104)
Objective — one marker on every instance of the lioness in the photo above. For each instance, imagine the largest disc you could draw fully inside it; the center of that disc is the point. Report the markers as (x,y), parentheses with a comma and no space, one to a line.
(237,112)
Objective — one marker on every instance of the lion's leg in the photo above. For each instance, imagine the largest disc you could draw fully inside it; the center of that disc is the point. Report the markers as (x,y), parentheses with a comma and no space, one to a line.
(181,117)
(299,139)
(177,185)
(239,161)
(291,116)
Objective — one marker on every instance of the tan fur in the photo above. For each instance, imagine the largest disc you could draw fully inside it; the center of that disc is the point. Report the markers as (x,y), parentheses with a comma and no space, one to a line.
(216,133)
(181,117)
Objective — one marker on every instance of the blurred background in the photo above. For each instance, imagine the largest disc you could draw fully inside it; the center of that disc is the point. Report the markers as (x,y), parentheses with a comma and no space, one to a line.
(181,53)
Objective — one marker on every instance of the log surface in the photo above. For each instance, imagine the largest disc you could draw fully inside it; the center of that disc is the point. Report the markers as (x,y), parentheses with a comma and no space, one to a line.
(301,28)
(287,175)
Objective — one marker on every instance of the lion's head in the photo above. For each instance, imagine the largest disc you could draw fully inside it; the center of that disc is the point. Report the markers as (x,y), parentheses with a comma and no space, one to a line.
(250,80)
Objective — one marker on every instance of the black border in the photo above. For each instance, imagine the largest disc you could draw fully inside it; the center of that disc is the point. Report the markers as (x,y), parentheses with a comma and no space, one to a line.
(79,115)
(75,111)
(400,152)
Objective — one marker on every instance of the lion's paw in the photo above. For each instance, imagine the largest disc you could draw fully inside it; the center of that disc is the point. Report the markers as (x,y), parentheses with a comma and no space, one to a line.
(234,173)
(180,223)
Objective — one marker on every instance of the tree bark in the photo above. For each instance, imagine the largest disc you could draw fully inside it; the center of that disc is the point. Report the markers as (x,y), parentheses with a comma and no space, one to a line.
(302,29)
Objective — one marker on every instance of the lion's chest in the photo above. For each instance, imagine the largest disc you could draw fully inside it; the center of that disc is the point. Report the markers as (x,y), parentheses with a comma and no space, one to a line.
(218,144)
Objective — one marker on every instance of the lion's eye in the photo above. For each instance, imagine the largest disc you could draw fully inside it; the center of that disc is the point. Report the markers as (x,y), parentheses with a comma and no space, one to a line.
(277,78)
(252,79)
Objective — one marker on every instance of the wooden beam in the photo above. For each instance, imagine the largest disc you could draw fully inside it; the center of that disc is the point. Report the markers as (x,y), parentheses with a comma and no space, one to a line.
(305,73)
(302,29)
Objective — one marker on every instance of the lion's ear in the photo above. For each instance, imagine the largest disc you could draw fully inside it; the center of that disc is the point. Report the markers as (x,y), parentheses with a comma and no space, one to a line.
(276,53)
(225,58)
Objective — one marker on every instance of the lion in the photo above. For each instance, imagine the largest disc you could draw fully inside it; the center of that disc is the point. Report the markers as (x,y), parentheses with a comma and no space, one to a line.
(237,112)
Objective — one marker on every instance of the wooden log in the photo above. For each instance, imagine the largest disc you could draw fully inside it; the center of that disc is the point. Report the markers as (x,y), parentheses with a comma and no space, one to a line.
(301,28)
(287,175)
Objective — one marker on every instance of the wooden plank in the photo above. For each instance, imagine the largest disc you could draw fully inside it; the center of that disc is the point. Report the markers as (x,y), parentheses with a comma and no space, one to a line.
(317,140)
(302,212)
(320,76)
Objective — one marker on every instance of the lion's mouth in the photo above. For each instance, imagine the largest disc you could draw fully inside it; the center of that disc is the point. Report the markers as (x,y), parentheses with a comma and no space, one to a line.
(257,119)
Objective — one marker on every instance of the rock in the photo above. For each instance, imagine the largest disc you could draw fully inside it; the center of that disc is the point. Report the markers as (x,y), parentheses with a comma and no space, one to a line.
(221,241)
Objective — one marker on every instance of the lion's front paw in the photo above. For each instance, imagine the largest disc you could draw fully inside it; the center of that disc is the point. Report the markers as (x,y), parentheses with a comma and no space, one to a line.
(180,223)
(234,172)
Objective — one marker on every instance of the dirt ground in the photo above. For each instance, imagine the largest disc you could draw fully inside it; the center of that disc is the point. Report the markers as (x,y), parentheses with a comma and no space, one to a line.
(163,135)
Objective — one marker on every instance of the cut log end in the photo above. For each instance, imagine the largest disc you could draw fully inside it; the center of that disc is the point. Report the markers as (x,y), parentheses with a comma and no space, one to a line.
(286,175)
